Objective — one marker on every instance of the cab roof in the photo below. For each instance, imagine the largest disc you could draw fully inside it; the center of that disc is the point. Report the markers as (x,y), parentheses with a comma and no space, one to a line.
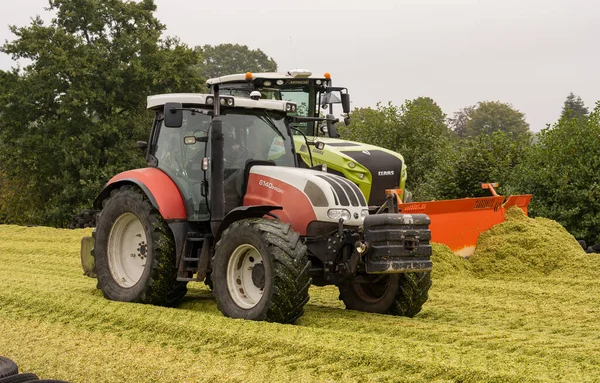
(158,101)
(290,75)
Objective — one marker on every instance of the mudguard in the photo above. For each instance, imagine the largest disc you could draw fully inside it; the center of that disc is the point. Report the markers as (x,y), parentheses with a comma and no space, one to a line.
(158,186)
(244,212)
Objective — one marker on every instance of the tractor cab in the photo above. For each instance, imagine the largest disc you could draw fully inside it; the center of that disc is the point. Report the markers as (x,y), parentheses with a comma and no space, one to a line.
(311,93)
(181,148)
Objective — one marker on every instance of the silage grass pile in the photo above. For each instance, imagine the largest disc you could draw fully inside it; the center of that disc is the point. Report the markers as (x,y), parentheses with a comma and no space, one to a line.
(521,309)
(519,247)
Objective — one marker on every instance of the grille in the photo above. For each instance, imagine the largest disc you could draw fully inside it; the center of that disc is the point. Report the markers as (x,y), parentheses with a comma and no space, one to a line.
(385,170)
(346,193)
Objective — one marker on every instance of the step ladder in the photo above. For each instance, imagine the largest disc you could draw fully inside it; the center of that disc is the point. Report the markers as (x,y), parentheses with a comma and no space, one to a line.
(197,263)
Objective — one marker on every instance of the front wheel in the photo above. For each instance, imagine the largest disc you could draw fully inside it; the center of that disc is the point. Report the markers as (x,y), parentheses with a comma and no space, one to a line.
(134,251)
(261,271)
(397,294)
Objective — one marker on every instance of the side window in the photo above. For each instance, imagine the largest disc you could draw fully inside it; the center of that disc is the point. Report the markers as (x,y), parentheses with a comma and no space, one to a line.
(172,154)
(169,149)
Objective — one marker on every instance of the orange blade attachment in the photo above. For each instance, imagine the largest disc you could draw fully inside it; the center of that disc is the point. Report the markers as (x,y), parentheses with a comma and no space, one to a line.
(458,223)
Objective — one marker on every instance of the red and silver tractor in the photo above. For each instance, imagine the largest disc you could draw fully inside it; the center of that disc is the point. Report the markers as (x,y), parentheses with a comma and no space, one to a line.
(223,201)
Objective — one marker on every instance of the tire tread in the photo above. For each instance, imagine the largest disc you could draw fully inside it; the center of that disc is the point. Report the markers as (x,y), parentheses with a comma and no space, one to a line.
(290,267)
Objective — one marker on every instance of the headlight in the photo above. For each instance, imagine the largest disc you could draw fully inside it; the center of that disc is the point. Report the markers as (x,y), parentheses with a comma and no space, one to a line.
(339,213)
(351,165)
(361,175)
(364,213)
(227,101)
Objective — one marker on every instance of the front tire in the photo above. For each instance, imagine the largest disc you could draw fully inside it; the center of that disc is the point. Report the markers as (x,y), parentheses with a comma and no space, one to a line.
(396,294)
(261,271)
(134,251)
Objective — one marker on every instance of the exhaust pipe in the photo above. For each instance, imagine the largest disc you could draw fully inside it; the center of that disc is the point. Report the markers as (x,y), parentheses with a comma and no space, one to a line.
(216,195)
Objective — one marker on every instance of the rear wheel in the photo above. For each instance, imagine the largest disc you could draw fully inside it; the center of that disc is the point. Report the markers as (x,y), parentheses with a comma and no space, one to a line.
(261,271)
(134,251)
(7,367)
(397,294)
(26,377)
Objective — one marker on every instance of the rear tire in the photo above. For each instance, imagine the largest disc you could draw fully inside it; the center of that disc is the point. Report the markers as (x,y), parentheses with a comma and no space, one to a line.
(261,271)
(7,367)
(396,294)
(135,252)
(21,378)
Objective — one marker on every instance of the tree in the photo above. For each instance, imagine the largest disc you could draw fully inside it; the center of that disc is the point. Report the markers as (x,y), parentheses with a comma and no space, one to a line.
(562,171)
(487,117)
(574,107)
(475,160)
(416,129)
(224,59)
(72,116)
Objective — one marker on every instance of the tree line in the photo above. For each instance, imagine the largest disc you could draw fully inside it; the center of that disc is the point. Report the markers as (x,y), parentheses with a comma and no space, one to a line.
(69,120)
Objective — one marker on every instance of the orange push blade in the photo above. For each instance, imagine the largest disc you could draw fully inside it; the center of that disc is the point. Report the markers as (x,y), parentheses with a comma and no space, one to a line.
(459,222)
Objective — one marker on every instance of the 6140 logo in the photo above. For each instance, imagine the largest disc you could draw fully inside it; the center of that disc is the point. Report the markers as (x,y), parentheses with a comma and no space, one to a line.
(270,186)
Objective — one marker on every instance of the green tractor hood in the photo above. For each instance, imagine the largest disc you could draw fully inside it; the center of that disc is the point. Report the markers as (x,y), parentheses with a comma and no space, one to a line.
(372,168)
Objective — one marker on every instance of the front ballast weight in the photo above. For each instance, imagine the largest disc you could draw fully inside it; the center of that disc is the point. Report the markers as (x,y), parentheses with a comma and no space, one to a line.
(383,244)
(396,243)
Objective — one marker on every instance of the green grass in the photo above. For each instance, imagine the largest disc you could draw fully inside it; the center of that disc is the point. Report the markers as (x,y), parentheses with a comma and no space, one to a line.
(474,328)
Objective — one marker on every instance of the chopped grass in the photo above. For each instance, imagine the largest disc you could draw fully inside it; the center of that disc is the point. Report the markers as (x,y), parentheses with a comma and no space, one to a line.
(522,245)
(447,263)
(474,328)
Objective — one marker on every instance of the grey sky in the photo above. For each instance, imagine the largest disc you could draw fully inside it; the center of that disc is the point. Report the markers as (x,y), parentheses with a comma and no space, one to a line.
(528,53)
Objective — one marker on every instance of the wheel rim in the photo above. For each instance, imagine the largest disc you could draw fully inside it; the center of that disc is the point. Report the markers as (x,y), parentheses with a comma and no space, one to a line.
(245,276)
(373,292)
(127,250)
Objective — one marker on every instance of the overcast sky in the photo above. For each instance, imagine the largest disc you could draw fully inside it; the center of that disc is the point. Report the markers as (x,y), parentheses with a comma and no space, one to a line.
(524,52)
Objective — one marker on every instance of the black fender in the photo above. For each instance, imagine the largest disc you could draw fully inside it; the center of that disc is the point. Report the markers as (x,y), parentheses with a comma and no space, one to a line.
(243,212)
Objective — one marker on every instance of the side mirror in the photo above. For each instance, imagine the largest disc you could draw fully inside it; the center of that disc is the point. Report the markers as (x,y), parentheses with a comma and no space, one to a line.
(173,115)
(345,102)
(331,129)
(347,121)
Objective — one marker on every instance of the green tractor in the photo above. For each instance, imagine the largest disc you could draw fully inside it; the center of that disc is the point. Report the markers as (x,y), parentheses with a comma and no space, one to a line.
(373,169)
(224,201)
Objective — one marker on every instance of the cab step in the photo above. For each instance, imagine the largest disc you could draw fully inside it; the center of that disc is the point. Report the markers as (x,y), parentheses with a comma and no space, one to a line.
(196,263)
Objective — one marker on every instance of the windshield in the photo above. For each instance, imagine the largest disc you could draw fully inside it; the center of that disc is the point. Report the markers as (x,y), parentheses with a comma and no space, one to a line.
(256,134)
(301,96)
